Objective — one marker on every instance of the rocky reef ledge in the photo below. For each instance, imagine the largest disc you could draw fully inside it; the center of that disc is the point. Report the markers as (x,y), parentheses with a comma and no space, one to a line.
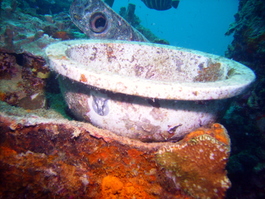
(245,119)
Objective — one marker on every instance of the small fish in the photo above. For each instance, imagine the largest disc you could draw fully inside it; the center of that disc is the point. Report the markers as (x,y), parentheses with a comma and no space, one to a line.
(161,4)
(98,21)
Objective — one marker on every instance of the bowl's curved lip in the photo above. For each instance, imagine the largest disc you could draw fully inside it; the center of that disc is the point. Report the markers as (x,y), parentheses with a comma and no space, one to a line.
(227,88)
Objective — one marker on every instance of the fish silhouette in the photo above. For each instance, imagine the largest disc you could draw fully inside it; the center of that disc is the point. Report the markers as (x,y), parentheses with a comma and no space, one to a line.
(161,4)
(98,21)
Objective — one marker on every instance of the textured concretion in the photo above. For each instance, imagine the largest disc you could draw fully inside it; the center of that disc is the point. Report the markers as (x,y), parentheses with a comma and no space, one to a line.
(149,70)
(197,163)
(49,157)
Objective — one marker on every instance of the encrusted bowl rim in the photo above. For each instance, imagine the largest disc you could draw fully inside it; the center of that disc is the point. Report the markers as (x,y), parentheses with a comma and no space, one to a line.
(221,89)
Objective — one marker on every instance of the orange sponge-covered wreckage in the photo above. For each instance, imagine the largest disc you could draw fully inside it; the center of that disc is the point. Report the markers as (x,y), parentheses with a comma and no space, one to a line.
(43,157)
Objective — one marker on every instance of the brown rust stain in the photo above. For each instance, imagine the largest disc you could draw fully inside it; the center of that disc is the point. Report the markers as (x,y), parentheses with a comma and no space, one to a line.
(83,78)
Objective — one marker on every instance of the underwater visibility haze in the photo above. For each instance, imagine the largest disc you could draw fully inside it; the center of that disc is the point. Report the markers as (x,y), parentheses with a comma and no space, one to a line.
(195,24)
(51,145)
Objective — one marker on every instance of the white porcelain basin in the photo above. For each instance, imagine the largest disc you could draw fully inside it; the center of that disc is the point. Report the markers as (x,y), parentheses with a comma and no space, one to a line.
(145,91)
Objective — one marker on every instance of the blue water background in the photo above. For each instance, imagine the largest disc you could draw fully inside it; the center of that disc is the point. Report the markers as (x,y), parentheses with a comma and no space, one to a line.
(195,24)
